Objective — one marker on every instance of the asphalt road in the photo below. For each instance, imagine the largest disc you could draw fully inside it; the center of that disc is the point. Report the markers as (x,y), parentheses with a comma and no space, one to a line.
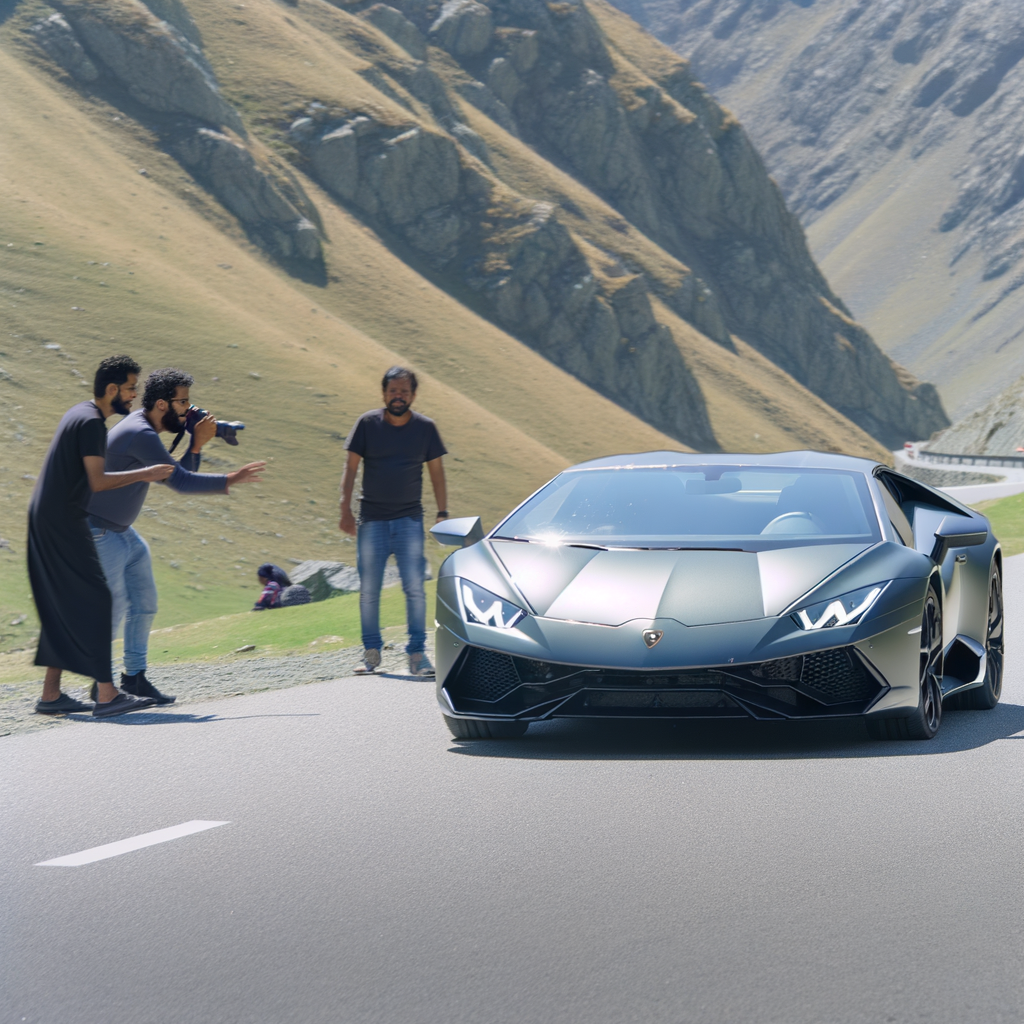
(373,870)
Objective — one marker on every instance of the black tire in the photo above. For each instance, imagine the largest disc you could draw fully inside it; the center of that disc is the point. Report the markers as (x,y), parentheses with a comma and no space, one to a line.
(924,722)
(986,696)
(481,729)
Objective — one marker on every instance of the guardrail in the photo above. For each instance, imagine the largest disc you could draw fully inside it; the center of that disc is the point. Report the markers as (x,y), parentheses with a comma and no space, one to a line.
(970,460)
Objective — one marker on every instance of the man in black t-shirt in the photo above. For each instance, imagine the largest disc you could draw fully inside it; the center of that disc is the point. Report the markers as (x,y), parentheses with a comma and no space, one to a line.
(70,590)
(393,443)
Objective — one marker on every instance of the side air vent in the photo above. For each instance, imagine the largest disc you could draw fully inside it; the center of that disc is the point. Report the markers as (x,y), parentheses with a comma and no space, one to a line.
(838,676)
(486,675)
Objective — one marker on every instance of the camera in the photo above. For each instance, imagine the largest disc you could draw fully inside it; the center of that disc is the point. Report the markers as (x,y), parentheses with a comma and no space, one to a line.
(227,429)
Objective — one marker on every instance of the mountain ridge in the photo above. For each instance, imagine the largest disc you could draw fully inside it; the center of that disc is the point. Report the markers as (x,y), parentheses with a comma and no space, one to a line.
(893,130)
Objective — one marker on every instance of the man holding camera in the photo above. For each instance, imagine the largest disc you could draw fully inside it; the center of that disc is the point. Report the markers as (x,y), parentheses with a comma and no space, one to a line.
(125,556)
(393,444)
(68,584)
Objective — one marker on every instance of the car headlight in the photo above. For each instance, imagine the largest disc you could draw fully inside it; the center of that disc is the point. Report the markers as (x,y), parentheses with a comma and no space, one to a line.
(486,609)
(846,610)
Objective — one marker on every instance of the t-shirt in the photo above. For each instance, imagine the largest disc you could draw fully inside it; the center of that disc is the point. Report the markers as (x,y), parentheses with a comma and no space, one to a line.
(393,460)
(62,490)
(134,444)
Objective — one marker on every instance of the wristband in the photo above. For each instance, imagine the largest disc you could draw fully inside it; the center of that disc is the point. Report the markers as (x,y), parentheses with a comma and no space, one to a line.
(442,514)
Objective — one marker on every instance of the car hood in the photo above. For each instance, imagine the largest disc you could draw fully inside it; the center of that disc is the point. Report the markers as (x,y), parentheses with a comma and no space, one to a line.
(695,588)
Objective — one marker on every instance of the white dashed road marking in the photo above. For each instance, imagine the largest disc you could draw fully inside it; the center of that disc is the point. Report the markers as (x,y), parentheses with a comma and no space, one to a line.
(163,835)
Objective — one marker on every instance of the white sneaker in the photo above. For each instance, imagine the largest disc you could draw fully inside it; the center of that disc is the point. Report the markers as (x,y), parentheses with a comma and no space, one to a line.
(419,665)
(370,662)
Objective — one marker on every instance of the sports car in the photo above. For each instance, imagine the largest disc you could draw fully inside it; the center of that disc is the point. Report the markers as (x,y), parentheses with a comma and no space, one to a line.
(664,585)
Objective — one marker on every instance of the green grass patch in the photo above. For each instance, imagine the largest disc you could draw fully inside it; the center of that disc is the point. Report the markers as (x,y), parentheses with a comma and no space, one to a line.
(1007,518)
(307,629)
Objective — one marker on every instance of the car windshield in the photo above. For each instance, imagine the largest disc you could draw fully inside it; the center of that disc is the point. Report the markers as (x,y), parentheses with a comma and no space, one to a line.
(752,508)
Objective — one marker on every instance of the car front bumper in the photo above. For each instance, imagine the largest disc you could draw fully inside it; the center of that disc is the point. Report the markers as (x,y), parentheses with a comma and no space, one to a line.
(491,684)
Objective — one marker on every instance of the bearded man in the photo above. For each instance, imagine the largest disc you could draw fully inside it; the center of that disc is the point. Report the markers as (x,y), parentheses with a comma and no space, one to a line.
(393,443)
(125,556)
(68,584)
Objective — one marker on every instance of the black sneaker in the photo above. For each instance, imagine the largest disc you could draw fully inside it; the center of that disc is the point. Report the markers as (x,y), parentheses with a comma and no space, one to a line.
(63,705)
(140,686)
(121,705)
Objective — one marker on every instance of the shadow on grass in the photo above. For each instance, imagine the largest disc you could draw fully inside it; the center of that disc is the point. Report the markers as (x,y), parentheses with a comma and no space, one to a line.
(575,739)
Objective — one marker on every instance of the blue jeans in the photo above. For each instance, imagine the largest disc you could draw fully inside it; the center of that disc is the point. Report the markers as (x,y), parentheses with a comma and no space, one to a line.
(402,538)
(129,571)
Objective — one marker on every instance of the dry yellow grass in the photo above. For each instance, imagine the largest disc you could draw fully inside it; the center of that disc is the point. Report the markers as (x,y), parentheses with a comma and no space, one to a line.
(99,258)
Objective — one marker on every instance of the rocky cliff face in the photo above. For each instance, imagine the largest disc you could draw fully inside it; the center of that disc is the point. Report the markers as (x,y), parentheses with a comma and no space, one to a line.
(846,97)
(422,156)
(652,143)
(151,54)
(995,429)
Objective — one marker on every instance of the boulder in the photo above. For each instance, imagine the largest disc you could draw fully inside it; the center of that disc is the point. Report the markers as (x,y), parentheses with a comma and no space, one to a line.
(399,28)
(464,28)
(58,39)
(154,61)
(329,579)
(231,172)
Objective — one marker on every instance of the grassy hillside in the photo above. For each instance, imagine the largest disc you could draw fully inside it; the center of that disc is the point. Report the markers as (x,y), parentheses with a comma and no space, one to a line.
(107,245)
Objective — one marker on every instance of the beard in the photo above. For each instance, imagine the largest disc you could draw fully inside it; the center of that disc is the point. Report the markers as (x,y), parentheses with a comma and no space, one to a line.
(173,422)
(398,407)
(120,406)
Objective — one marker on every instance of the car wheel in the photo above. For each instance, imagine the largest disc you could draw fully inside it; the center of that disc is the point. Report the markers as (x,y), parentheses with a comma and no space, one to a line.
(986,696)
(924,722)
(481,729)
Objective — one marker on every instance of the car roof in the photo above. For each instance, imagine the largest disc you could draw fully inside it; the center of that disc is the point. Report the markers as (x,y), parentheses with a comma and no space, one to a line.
(776,460)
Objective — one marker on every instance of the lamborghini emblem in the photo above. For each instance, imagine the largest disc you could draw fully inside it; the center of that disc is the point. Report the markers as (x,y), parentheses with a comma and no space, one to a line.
(652,636)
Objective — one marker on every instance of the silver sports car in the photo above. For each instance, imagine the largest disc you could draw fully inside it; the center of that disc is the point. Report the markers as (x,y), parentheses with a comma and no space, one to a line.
(788,586)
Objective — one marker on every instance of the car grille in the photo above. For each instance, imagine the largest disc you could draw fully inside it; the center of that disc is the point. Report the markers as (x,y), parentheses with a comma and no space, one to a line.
(825,678)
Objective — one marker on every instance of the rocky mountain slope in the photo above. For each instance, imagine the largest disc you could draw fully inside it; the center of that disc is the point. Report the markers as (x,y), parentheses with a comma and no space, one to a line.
(415,141)
(997,428)
(893,128)
(533,205)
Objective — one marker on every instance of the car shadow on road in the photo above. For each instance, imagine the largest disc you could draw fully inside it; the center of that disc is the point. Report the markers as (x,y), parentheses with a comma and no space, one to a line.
(568,739)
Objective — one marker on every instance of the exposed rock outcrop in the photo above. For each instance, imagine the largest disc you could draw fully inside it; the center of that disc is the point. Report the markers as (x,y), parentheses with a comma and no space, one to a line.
(995,429)
(394,24)
(527,268)
(231,173)
(463,28)
(154,61)
(656,146)
(58,39)
(160,65)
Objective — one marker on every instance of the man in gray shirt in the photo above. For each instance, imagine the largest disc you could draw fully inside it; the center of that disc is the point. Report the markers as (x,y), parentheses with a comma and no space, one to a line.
(124,555)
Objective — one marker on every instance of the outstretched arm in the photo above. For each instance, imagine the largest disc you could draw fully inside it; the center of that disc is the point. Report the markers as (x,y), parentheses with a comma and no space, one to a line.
(101,481)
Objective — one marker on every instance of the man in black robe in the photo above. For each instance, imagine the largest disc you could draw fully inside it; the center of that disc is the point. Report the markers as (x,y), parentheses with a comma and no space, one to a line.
(68,585)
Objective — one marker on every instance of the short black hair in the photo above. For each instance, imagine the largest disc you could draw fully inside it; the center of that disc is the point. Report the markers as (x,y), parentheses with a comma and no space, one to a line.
(113,370)
(269,571)
(399,373)
(163,384)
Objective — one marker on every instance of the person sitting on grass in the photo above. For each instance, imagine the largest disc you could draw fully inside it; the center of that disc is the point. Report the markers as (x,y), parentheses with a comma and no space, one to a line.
(273,580)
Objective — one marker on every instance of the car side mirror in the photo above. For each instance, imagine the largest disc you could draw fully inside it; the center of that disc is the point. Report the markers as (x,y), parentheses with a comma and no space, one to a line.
(957,532)
(458,533)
